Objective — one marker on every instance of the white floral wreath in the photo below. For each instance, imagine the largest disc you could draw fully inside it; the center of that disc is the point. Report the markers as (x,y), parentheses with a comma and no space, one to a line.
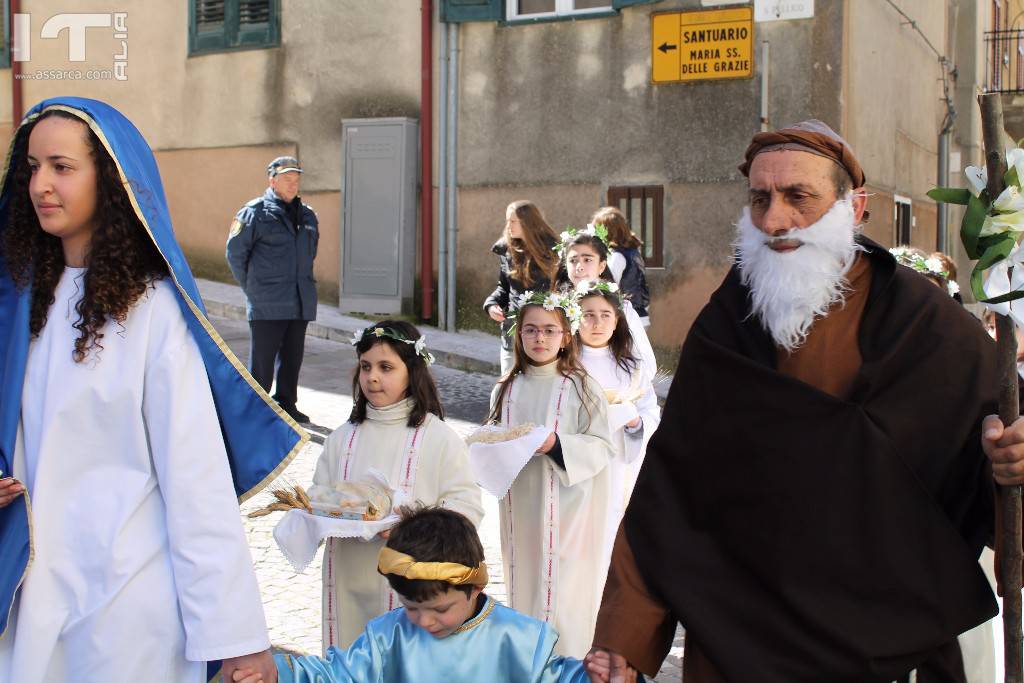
(586,287)
(568,302)
(927,265)
(592,230)
(419,345)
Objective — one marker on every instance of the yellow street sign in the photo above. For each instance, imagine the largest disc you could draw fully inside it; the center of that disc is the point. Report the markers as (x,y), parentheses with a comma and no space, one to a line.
(702,45)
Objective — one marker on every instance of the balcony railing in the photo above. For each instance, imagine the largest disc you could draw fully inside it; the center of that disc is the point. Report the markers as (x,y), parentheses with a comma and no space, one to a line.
(1004,61)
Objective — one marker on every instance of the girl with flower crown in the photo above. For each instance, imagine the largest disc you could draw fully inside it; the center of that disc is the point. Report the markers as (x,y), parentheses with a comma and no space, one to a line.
(584,258)
(397,428)
(553,517)
(608,355)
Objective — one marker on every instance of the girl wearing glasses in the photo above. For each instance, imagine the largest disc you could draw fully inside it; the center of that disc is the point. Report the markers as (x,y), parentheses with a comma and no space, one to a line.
(553,517)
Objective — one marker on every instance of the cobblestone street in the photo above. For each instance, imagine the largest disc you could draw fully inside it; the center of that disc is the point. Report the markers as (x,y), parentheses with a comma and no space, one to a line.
(293,601)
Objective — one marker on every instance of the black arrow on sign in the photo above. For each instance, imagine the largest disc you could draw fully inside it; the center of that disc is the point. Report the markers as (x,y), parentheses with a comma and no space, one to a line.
(665,47)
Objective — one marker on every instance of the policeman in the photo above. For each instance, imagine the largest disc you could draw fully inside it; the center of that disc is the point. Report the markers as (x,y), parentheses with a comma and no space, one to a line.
(270,250)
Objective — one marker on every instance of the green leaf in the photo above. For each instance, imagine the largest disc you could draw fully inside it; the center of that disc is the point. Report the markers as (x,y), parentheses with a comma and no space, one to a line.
(1010,177)
(996,252)
(950,195)
(970,227)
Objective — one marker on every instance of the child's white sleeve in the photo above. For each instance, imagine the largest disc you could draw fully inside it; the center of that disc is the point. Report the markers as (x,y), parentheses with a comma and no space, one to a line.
(457,487)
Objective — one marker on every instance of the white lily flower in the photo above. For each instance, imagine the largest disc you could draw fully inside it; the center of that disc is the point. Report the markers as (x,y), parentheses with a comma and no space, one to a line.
(1015,159)
(1010,200)
(999,282)
(1004,222)
(977,178)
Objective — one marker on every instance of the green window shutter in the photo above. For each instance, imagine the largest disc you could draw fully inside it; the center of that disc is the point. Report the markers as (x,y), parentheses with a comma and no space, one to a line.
(257,23)
(458,11)
(5,58)
(208,25)
(619,4)
(216,25)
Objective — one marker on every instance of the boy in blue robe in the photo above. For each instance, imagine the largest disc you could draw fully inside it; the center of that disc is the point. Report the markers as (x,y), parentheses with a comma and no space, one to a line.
(448,630)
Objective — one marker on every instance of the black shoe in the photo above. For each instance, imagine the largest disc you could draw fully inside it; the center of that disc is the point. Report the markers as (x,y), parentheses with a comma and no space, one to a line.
(296,414)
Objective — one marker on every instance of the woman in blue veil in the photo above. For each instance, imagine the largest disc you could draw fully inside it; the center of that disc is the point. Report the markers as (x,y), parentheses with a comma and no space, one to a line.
(128,431)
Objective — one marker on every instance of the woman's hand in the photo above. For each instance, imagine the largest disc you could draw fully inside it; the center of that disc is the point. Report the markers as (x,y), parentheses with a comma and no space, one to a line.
(548,444)
(494,310)
(634,423)
(10,489)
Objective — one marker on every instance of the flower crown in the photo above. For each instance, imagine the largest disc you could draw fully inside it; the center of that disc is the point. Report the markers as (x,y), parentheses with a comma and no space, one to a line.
(568,302)
(586,287)
(419,345)
(926,265)
(593,230)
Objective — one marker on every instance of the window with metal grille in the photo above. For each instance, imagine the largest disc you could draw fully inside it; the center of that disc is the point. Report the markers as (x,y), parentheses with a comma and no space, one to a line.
(644,207)
(217,25)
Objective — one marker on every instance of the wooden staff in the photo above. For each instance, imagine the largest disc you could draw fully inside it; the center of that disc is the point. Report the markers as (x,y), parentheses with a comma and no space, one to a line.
(1011,553)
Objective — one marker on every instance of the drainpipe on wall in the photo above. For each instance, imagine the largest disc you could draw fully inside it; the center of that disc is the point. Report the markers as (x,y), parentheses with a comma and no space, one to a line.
(453,84)
(16,106)
(427,159)
(442,179)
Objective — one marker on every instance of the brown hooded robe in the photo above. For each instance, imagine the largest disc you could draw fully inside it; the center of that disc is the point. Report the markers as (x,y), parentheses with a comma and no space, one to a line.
(803,537)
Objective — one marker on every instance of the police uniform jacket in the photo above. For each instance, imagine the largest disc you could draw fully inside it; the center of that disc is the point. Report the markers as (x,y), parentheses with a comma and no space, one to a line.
(272,258)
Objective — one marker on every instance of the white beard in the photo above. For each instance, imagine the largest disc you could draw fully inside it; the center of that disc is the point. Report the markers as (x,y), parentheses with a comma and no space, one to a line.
(790,290)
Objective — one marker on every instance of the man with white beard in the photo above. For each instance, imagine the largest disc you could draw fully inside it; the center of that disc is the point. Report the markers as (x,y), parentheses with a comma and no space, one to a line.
(813,505)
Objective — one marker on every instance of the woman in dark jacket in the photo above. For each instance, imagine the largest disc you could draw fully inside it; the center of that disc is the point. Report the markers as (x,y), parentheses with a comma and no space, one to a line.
(526,262)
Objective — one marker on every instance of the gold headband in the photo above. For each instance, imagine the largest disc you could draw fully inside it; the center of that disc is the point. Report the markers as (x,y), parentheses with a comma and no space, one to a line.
(393,562)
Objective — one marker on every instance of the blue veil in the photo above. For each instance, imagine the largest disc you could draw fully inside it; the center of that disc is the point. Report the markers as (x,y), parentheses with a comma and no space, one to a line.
(261,439)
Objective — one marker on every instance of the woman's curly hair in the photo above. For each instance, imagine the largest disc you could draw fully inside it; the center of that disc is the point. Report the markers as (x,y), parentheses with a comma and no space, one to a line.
(122,260)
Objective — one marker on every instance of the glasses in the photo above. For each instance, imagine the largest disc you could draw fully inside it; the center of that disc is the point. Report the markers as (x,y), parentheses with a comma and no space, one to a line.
(546,332)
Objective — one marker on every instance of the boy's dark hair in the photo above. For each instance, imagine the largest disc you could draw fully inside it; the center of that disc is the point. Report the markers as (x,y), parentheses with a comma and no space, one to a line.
(422,389)
(433,534)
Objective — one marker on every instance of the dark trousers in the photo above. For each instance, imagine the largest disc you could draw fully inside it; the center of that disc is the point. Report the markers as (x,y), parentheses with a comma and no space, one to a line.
(279,343)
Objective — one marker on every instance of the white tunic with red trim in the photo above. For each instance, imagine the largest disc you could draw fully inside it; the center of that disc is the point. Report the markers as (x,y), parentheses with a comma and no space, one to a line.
(553,519)
(429,463)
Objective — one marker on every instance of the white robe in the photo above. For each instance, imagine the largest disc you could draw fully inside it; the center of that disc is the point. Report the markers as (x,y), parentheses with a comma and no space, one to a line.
(630,446)
(437,474)
(141,568)
(553,519)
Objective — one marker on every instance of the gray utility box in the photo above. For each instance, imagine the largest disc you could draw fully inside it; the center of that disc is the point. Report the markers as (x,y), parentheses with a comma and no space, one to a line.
(378,215)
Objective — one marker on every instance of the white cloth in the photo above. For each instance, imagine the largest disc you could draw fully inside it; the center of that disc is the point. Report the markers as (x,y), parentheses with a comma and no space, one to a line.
(630,448)
(616,264)
(496,465)
(641,344)
(141,566)
(439,474)
(553,519)
(299,534)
